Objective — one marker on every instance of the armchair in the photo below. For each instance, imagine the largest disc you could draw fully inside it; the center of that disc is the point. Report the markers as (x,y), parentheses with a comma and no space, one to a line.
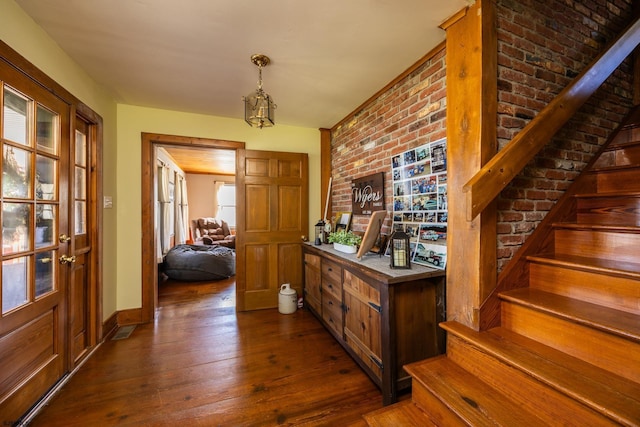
(212,231)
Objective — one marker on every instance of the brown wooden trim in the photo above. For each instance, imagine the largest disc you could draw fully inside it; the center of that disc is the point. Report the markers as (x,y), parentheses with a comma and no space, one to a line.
(325,170)
(485,185)
(433,52)
(454,18)
(149,250)
(133,316)
(110,326)
(17,61)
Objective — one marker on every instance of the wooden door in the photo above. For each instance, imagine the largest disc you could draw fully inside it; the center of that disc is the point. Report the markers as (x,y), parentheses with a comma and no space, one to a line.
(80,293)
(272,213)
(34,204)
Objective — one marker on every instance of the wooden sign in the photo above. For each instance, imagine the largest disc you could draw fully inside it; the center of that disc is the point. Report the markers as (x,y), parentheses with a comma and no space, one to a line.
(367,194)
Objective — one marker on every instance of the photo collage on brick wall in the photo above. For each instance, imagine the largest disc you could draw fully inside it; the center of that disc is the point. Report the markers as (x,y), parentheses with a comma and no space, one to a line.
(420,201)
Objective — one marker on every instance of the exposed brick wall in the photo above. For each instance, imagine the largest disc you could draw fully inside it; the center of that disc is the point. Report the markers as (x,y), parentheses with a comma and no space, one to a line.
(542,45)
(409,114)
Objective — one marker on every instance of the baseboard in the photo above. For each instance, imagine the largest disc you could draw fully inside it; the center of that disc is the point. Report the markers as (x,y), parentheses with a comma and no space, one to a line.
(109,326)
(130,317)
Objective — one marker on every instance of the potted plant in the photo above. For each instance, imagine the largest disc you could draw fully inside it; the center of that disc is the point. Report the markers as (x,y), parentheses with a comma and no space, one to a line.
(345,241)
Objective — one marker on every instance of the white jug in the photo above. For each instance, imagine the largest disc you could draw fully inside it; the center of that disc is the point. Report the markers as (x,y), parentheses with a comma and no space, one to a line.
(287,300)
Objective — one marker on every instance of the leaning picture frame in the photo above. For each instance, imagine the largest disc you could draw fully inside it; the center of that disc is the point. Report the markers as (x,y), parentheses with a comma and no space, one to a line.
(342,221)
(371,234)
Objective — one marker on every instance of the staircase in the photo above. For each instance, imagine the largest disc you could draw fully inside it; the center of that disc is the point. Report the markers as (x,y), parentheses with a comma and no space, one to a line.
(567,350)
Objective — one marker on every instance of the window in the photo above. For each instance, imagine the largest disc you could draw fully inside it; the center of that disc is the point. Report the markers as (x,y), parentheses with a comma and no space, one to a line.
(227,204)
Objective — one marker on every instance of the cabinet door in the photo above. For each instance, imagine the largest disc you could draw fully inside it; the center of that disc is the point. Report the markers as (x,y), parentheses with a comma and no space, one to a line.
(312,282)
(362,321)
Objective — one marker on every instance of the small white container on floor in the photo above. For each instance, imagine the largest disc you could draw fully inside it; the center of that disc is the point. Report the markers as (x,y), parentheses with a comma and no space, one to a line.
(287,300)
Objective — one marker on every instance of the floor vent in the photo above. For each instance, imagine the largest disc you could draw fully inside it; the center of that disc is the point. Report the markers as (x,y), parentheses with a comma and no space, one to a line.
(123,332)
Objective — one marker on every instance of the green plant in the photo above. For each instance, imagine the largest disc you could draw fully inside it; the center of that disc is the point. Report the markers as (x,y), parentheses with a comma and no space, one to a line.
(347,238)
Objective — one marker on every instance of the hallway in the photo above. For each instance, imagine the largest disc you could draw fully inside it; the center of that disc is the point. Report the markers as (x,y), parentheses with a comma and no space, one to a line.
(203,364)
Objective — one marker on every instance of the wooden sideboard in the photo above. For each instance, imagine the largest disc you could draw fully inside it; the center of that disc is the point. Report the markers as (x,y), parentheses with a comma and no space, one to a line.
(384,318)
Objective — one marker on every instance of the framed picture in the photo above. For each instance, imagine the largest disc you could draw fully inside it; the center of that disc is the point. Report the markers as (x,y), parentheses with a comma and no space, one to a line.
(342,221)
(373,231)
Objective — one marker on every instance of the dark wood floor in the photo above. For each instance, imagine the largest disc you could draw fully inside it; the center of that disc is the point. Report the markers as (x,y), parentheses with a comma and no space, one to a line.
(203,364)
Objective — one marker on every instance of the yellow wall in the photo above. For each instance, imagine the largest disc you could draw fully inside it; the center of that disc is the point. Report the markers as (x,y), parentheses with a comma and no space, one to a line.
(23,35)
(123,125)
(132,121)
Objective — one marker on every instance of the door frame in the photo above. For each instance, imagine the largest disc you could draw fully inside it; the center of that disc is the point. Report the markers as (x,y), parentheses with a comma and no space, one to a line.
(95,231)
(150,141)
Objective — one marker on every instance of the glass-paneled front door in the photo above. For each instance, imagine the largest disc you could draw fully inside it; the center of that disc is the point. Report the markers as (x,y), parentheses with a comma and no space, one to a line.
(35,261)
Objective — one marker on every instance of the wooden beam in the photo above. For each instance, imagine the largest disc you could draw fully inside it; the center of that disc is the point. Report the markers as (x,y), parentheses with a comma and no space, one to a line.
(325,169)
(471,142)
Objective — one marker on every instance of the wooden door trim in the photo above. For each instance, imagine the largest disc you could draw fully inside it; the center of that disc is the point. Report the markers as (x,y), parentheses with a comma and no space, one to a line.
(149,266)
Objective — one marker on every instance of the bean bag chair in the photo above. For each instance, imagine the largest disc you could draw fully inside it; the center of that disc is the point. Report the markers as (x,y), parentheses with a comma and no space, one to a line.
(200,262)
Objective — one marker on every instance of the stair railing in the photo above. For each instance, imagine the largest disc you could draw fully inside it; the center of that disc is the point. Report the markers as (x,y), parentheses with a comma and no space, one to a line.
(489,181)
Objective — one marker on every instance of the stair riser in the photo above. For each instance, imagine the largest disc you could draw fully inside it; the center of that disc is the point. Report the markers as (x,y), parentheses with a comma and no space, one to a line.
(552,406)
(620,293)
(609,210)
(433,407)
(628,155)
(620,180)
(598,244)
(607,351)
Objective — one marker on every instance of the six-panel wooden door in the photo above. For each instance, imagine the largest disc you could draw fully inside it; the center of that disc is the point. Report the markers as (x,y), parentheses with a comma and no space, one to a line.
(272,216)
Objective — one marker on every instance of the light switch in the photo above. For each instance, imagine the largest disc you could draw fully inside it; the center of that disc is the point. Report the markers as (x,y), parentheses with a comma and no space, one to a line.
(108,202)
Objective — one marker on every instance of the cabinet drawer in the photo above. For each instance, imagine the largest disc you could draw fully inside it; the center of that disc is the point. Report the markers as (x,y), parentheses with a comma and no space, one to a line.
(332,288)
(331,271)
(332,313)
(312,260)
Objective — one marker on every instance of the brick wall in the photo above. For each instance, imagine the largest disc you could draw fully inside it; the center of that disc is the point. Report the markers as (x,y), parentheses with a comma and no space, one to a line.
(409,114)
(542,45)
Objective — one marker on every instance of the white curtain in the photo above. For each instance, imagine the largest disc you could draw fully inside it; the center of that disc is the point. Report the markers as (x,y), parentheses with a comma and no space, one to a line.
(217,185)
(185,206)
(165,212)
(178,217)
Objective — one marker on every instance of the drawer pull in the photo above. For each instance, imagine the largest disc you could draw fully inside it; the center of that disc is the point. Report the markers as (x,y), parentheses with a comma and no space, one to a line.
(329,269)
(330,302)
(375,307)
(377,362)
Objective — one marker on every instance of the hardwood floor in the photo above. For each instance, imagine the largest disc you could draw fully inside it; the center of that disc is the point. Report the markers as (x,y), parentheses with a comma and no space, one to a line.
(203,364)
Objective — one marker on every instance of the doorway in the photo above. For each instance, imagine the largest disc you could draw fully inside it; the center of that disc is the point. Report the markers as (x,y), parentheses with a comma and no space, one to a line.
(150,144)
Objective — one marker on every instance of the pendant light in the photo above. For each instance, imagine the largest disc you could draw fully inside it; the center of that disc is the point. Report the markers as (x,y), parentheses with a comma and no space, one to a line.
(258,106)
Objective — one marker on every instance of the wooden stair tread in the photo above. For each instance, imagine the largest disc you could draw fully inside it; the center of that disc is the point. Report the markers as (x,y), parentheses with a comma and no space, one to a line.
(404,413)
(608,195)
(597,227)
(595,265)
(610,168)
(471,399)
(613,321)
(610,394)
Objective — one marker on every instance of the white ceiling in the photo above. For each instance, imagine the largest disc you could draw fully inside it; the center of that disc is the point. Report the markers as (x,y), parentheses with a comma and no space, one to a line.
(327,57)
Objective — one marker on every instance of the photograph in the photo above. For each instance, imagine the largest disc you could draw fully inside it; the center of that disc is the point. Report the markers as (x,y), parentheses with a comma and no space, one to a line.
(422,153)
(431,255)
(409,157)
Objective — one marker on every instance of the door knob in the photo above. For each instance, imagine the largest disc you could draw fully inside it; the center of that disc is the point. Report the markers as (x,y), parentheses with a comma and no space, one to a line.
(64,259)
(63,238)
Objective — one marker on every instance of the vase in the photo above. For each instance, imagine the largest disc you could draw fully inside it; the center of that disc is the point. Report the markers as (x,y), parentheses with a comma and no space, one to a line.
(345,248)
